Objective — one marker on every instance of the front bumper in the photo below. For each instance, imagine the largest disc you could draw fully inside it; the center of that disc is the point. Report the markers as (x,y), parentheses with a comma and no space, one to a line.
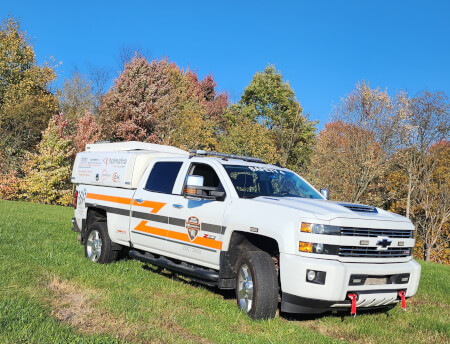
(300,296)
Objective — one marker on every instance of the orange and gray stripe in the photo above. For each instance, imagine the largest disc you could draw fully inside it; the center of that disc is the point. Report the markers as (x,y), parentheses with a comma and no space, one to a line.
(159,233)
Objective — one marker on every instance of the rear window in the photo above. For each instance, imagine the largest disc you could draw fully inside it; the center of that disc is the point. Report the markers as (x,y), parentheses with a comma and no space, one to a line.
(163,176)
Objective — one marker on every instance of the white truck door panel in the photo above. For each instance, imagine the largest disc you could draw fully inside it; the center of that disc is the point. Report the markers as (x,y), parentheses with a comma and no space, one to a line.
(149,220)
(150,209)
(197,225)
(196,229)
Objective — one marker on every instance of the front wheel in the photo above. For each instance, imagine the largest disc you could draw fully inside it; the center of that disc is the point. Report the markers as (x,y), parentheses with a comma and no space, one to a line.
(98,245)
(257,285)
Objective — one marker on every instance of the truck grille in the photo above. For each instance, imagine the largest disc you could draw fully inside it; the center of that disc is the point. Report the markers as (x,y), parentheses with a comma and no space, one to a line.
(372,252)
(371,232)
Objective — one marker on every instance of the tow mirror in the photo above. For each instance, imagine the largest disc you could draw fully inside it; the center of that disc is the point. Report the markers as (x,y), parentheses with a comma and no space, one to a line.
(325,193)
(195,190)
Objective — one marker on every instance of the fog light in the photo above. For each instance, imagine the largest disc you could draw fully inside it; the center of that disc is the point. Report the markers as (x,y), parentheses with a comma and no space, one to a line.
(318,248)
(311,275)
(316,277)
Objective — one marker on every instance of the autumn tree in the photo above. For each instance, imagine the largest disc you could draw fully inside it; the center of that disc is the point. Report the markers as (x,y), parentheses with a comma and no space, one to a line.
(426,122)
(432,217)
(47,172)
(26,102)
(76,96)
(270,101)
(87,131)
(341,166)
(159,102)
(130,107)
(244,136)
(359,143)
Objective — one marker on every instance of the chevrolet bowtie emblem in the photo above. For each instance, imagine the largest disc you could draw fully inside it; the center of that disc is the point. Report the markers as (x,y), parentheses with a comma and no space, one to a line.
(384,243)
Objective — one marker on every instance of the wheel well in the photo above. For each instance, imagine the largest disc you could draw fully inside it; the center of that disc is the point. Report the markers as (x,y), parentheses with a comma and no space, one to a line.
(241,242)
(93,215)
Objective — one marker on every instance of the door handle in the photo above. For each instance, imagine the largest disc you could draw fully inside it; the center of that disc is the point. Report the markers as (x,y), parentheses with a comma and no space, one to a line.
(138,200)
(178,206)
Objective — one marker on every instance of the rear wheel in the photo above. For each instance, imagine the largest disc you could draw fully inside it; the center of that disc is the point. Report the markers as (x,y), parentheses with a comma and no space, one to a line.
(98,245)
(257,285)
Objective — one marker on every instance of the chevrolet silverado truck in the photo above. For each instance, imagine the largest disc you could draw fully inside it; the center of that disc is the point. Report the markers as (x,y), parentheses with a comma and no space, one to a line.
(237,223)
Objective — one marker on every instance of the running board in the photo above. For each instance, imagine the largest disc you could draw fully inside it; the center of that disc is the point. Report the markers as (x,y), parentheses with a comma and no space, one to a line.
(199,274)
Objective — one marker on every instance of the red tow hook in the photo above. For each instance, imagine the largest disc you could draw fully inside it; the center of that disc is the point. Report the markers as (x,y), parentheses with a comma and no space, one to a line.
(353,297)
(402,294)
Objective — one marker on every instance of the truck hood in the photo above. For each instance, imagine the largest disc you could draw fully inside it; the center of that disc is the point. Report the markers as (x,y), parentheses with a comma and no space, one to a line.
(328,210)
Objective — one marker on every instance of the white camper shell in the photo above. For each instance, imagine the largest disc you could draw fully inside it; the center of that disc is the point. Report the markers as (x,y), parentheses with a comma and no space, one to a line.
(118,164)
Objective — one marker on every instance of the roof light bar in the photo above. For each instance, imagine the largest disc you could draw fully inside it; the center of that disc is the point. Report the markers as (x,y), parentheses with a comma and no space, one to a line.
(200,152)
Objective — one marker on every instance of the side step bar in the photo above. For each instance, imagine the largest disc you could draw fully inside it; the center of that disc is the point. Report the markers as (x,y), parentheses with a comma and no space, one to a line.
(201,275)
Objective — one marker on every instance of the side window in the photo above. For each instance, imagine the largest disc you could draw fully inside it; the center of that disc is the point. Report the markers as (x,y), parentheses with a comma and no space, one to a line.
(211,179)
(207,172)
(163,176)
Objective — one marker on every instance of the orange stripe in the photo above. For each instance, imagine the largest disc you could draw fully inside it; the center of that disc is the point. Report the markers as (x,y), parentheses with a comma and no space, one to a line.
(141,227)
(156,206)
(114,199)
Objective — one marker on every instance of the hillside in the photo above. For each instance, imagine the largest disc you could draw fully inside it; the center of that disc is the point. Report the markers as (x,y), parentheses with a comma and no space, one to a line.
(52,294)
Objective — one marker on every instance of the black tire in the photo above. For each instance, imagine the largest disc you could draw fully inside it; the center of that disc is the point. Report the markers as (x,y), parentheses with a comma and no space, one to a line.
(98,245)
(259,299)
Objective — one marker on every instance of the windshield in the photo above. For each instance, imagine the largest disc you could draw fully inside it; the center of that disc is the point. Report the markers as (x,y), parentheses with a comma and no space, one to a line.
(254,181)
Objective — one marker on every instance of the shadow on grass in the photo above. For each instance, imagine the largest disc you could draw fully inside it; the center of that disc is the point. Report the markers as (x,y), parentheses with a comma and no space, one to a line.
(343,315)
(229,294)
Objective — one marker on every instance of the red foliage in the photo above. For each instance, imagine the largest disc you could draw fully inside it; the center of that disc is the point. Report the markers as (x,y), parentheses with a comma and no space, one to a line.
(88,131)
(148,96)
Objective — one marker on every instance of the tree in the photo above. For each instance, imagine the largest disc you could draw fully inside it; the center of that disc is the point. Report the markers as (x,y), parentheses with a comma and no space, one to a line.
(270,101)
(76,97)
(99,78)
(159,102)
(243,136)
(411,183)
(130,108)
(26,102)
(360,142)
(87,131)
(426,122)
(432,217)
(346,168)
(47,172)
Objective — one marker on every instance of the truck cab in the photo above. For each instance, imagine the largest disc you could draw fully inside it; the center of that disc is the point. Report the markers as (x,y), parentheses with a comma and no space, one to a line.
(237,223)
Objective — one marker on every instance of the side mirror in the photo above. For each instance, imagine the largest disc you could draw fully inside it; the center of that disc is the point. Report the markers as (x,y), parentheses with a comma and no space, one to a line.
(195,190)
(325,193)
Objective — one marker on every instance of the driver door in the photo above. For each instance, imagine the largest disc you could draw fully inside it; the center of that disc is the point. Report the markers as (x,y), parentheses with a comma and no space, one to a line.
(197,225)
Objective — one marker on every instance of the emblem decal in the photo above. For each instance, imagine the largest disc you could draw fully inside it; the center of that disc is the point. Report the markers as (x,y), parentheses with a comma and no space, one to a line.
(383,243)
(193,227)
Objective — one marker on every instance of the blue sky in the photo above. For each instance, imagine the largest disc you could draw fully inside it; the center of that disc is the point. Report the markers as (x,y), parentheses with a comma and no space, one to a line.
(323,48)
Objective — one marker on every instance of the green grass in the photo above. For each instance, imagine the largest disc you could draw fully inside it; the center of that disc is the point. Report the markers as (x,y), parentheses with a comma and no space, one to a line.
(49,293)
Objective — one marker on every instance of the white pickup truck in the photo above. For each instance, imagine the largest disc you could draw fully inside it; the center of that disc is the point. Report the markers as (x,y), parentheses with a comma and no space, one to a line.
(238,223)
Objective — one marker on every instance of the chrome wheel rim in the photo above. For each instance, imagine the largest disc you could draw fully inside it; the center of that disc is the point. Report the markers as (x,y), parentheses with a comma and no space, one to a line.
(94,246)
(245,288)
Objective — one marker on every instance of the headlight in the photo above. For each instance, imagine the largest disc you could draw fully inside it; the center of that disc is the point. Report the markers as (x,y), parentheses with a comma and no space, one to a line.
(319,229)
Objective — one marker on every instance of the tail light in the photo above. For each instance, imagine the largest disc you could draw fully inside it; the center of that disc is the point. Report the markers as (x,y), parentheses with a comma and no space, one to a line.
(75,199)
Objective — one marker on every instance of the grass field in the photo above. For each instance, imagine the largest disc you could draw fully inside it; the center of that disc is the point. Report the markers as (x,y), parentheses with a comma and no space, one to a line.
(49,293)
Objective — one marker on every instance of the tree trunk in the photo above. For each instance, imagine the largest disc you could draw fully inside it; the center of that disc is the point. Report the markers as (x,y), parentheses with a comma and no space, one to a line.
(408,197)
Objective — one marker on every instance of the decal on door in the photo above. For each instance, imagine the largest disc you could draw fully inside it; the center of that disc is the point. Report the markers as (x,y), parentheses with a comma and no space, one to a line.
(193,227)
